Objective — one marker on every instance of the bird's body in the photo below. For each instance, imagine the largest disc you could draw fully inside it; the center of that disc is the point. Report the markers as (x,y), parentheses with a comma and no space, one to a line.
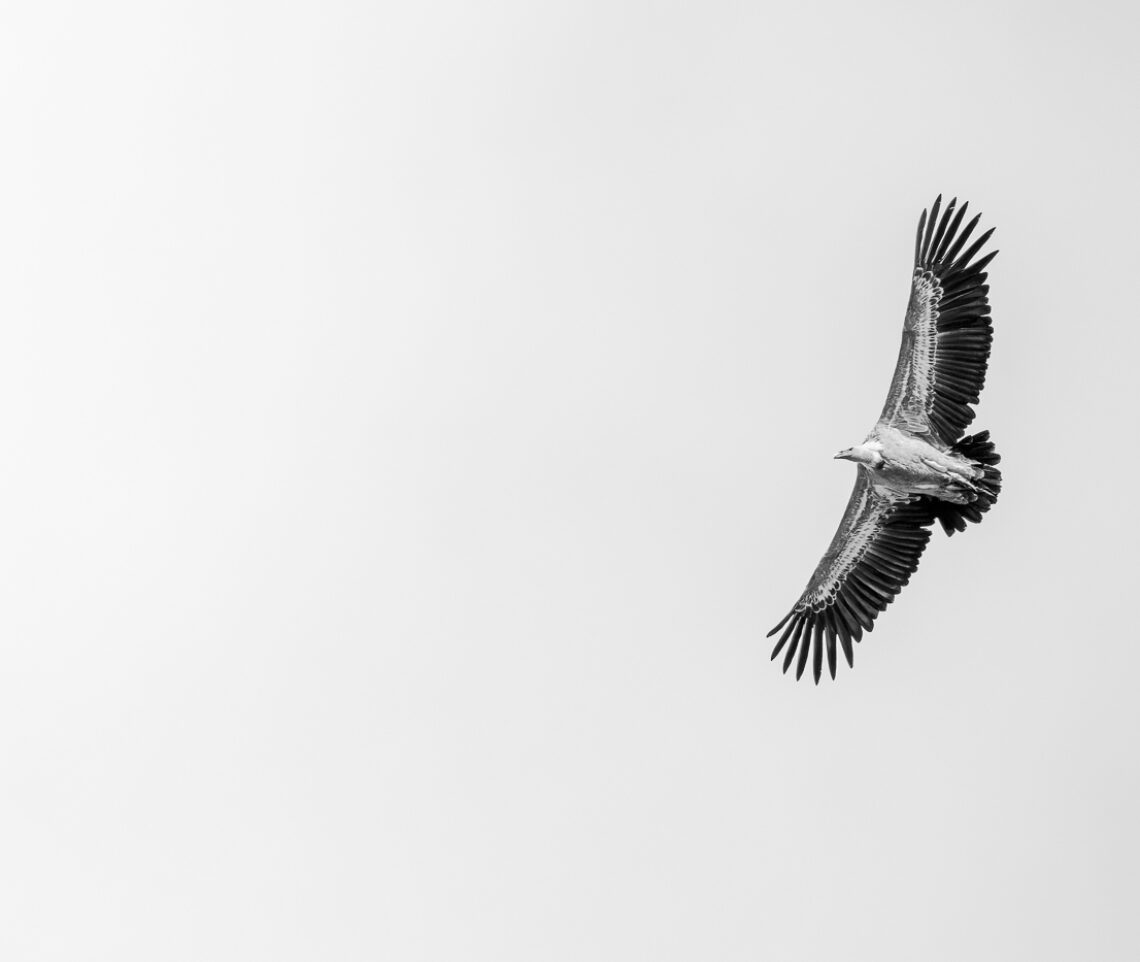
(905,464)
(915,467)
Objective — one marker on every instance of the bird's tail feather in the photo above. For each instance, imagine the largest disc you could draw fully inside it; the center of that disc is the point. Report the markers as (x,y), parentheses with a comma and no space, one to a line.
(954,517)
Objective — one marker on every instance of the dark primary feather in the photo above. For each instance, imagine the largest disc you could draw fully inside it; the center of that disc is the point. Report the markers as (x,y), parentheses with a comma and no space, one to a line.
(945,349)
(872,556)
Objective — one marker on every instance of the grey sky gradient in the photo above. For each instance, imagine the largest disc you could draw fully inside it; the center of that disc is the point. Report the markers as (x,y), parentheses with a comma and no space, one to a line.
(416,414)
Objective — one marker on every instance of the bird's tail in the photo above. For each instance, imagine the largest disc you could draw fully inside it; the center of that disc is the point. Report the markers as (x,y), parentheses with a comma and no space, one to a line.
(978,448)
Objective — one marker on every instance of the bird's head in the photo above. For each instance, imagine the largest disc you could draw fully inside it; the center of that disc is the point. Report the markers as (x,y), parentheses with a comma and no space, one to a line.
(861,454)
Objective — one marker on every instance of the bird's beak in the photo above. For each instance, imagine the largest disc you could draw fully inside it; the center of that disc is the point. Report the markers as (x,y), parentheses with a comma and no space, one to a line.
(840,455)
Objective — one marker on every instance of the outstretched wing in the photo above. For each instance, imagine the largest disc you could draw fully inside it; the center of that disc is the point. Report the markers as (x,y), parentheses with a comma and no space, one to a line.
(947,332)
(873,554)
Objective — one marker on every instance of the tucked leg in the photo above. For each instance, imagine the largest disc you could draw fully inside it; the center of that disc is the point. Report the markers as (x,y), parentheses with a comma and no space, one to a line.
(957,487)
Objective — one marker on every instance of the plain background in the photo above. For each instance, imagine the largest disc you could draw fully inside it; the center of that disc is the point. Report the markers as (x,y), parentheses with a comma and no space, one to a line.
(414,416)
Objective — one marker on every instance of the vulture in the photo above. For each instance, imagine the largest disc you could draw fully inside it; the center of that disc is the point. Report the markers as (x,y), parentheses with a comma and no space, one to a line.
(917,466)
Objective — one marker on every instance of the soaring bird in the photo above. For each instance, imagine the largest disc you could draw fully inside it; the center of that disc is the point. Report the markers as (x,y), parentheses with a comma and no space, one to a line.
(916,466)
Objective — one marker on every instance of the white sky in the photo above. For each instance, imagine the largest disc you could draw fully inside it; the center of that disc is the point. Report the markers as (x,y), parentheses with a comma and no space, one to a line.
(416,415)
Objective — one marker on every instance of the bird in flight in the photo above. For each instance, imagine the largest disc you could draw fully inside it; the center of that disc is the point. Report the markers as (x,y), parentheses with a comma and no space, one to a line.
(916,466)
